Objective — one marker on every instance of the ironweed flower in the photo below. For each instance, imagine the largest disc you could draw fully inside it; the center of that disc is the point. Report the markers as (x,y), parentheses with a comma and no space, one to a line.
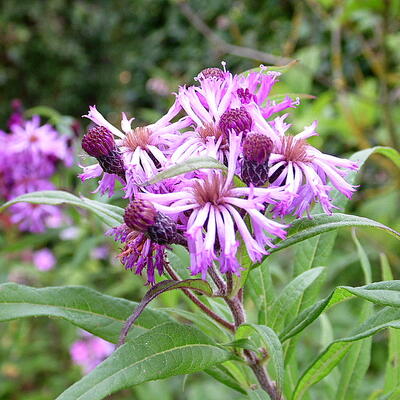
(146,234)
(213,210)
(305,170)
(143,149)
(29,156)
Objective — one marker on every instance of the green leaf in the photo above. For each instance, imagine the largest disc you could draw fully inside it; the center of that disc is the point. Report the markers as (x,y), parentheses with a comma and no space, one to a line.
(221,374)
(305,228)
(359,357)
(167,350)
(109,214)
(385,293)
(315,251)
(258,394)
(270,341)
(392,373)
(260,289)
(197,285)
(289,296)
(330,357)
(99,314)
(186,166)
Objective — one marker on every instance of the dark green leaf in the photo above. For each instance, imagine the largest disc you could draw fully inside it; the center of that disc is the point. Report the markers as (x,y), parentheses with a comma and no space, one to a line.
(197,285)
(99,314)
(289,296)
(306,228)
(109,214)
(221,374)
(270,341)
(167,350)
(381,293)
(331,356)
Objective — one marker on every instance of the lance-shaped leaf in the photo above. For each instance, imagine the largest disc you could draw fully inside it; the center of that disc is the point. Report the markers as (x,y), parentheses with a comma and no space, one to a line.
(197,285)
(167,350)
(109,214)
(305,228)
(102,315)
(289,296)
(192,164)
(331,356)
(385,293)
(270,341)
(221,374)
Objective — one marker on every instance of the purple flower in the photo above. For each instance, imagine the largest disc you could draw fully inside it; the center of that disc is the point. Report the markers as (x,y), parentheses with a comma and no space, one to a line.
(90,351)
(213,210)
(143,148)
(304,170)
(40,142)
(146,234)
(44,259)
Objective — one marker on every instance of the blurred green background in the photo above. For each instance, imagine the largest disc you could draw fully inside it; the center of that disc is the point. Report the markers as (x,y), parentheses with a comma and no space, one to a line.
(129,56)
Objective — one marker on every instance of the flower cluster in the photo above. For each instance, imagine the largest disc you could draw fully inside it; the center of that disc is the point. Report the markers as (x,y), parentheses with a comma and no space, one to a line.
(29,156)
(269,173)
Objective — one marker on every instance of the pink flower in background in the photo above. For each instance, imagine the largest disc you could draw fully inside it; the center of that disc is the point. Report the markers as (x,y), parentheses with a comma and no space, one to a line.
(44,259)
(90,351)
(29,156)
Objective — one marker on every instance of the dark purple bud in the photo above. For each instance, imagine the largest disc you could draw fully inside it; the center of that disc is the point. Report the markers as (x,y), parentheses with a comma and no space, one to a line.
(216,73)
(164,230)
(256,151)
(257,147)
(113,163)
(254,173)
(245,96)
(98,141)
(236,119)
(140,215)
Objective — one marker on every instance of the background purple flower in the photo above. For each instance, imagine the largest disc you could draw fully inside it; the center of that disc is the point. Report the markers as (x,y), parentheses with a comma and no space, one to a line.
(90,351)
(44,259)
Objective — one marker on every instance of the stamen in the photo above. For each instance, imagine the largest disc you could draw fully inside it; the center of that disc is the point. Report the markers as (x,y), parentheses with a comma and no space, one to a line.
(139,137)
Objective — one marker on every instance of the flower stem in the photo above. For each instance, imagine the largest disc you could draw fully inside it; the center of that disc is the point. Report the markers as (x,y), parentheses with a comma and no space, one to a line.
(236,306)
(200,304)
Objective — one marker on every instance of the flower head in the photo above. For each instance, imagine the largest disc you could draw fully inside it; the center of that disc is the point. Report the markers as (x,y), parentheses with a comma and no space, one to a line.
(305,170)
(212,211)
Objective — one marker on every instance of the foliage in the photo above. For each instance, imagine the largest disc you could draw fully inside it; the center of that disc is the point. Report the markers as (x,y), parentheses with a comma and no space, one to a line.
(311,307)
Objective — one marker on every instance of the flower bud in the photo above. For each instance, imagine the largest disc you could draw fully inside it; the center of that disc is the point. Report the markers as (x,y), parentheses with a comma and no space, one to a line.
(98,141)
(236,119)
(257,147)
(256,151)
(215,73)
(140,215)
(164,230)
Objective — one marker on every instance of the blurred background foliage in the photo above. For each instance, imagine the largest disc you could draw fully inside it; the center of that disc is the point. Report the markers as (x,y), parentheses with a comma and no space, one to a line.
(128,55)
